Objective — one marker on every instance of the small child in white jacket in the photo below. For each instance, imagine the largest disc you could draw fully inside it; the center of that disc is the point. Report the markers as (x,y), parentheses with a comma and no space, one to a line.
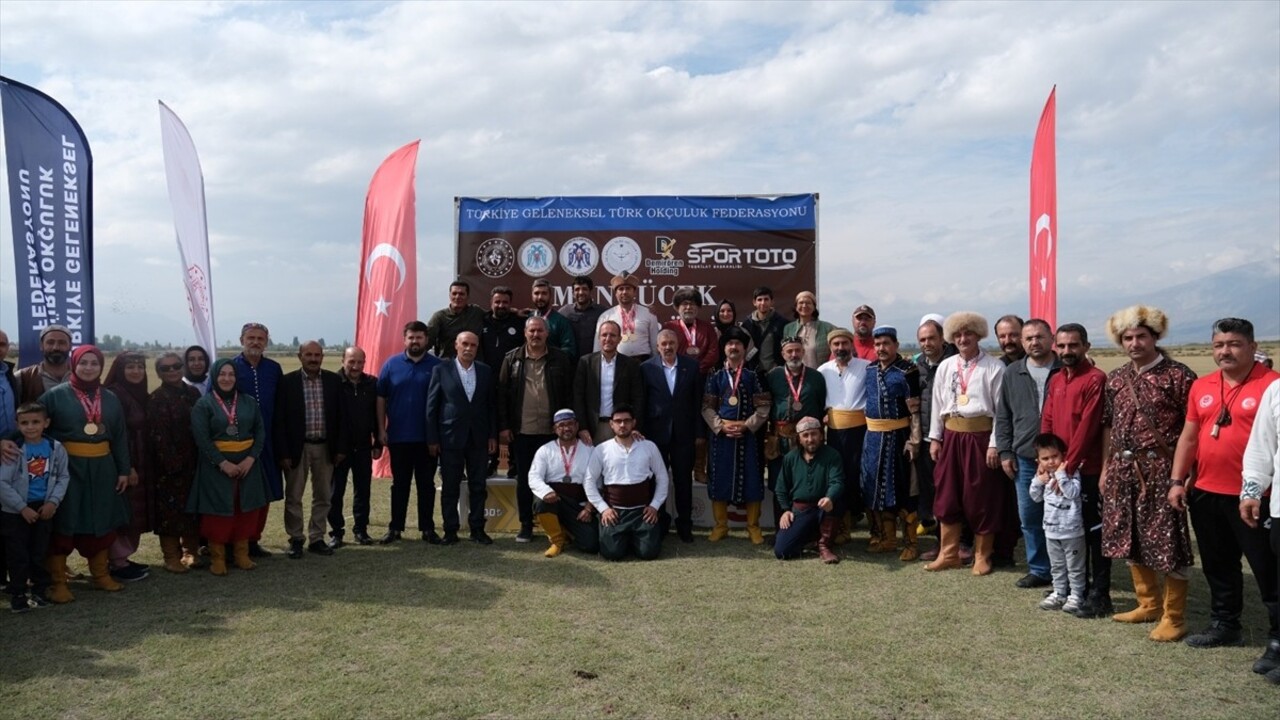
(1063,523)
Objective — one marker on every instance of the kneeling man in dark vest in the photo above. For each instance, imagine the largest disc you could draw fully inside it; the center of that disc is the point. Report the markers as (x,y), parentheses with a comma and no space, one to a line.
(627,482)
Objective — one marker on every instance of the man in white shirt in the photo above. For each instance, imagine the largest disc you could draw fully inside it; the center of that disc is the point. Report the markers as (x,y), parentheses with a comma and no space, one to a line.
(846,374)
(557,478)
(638,324)
(627,483)
(1262,471)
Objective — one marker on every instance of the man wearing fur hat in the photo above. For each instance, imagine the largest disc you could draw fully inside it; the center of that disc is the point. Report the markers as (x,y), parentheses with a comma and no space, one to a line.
(809,492)
(893,397)
(735,405)
(639,325)
(969,484)
(1144,411)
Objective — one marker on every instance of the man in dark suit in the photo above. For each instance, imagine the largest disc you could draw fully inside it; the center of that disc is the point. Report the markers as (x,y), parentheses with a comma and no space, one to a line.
(359,405)
(673,408)
(462,429)
(604,380)
(309,440)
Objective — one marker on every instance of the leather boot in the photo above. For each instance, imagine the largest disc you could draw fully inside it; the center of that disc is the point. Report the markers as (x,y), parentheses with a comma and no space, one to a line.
(700,461)
(827,530)
(1172,627)
(720,510)
(550,524)
(217,558)
(983,545)
(874,529)
(948,549)
(191,552)
(101,574)
(171,549)
(753,524)
(240,555)
(910,553)
(58,592)
(844,528)
(888,534)
(1147,588)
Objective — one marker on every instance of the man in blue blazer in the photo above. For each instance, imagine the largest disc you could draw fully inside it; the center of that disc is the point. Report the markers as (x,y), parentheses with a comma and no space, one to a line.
(462,430)
(673,403)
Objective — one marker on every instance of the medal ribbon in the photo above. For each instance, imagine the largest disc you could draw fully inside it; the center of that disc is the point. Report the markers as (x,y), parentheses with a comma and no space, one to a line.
(733,382)
(796,389)
(964,377)
(690,333)
(628,320)
(567,459)
(230,412)
(92,409)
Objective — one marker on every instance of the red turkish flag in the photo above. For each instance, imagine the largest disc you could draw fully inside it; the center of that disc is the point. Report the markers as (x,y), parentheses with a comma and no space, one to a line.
(388,297)
(1044,219)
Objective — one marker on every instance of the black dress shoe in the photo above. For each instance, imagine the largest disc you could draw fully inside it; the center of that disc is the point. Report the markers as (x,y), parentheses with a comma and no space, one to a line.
(295,550)
(362,538)
(480,536)
(526,533)
(1031,580)
(685,533)
(320,547)
(1270,659)
(430,537)
(336,542)
(257,551)
(1002,561)
(390,537)
(1218,634)
(1096,605)
(450,538)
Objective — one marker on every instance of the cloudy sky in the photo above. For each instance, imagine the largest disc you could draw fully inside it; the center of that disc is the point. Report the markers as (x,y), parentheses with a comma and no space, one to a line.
(914,121)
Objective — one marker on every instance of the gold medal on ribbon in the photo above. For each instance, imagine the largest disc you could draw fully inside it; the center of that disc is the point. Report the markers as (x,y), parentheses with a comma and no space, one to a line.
(91,428)
(733,399)
(962,399)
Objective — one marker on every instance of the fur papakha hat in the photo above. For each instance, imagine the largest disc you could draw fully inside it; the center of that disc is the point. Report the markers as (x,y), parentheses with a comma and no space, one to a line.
(964,320)
(1152,318)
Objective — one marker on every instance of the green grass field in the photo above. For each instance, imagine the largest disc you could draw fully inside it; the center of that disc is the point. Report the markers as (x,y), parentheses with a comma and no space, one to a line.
(709,630)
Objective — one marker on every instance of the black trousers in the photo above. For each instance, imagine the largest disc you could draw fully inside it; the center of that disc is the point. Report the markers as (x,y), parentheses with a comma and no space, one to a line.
(1222,537)
(526,446)
(473,462)
(26,545)
(848,443)
(412,463)
(924,478)
(677,455)
(1099,565)
(359,464)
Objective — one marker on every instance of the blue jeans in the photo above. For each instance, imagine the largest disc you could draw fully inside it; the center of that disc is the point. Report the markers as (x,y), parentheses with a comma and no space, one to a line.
(1032,515)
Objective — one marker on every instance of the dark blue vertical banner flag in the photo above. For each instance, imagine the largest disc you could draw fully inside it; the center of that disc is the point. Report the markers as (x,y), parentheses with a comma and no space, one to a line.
(50,173)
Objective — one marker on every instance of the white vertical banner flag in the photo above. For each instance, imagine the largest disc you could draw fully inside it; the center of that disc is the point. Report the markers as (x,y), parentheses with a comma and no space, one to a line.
(186,195)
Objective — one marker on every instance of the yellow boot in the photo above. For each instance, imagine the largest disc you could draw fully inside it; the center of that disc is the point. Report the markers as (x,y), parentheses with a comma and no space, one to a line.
(550,524)
(171,549)
(721,512)
(888,539)
(1147,588)
(910,553)
(240,555)
(217,558)
(753,524)
(58,592)
(948,549)
(873,525)
(1171,627)
(101,574)
(983,545)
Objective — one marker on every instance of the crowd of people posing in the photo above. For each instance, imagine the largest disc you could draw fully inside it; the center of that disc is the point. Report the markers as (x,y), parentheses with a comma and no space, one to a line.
(606,412)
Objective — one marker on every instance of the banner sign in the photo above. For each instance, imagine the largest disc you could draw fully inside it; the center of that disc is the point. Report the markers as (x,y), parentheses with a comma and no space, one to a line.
(1043,280)
(723,246)
(50,200)
(190,222)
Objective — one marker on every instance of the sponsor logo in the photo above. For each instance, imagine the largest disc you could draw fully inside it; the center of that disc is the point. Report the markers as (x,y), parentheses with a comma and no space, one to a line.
(726,256)
(1206,401)
(495,257)
(579,256)
(536,257)
(665,263)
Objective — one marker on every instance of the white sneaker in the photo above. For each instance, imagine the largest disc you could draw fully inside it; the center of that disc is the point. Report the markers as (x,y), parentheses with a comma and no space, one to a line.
(1053,601)
(1071,605)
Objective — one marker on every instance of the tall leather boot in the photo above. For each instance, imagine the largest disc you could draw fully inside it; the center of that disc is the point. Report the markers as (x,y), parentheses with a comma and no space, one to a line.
(1147,588)
(101,574)
(700,461)
(171,549)
(983,546)
(217,558)
(874,529)
(58,591)
(888,533)
(720,510)
(844,529)
(948,549)
(550,524)
(240,555)
(753,524)
(827,530)
(1172,627)
(191,551)
(910,552)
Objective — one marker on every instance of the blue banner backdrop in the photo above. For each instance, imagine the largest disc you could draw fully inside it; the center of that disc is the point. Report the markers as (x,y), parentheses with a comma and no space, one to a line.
(50,172)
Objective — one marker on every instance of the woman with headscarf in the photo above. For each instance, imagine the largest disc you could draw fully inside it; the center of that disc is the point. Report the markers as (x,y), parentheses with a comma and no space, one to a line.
(128,380)
(173,463)
(196,365)
(89,422)
(230,491)
(726,317)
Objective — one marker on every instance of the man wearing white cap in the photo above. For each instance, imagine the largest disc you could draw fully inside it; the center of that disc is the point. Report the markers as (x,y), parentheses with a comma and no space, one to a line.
(639,325)
(809,492)
(557,478)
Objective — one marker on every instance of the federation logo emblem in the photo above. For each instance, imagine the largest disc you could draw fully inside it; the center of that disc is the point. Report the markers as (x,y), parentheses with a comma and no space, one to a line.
(536,257)
(495,257)
(621,254)
(1206,401)
(579,256)
(1249,403)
